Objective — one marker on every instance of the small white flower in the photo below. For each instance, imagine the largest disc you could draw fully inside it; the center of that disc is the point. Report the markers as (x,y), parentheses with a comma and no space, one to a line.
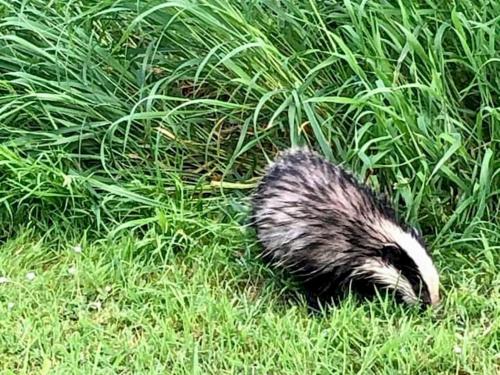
(30,276)
(4,280)
(457,349)
(77,249)
(67,180)
(10,305)
(95,305)
(72,270)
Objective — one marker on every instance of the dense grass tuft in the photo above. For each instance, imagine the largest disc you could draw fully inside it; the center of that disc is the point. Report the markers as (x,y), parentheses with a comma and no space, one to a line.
(139,128)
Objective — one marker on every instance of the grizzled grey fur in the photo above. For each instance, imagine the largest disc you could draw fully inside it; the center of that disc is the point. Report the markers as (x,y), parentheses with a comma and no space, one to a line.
(316,221)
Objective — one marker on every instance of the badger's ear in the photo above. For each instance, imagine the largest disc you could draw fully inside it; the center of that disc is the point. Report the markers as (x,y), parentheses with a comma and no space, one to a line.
(415,232)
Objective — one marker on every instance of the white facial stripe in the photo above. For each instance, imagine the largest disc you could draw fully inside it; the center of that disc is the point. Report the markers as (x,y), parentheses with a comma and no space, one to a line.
(416,252)
(387,275)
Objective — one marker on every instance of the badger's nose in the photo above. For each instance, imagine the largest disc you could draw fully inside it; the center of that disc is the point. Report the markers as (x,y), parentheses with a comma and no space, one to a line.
(435,301)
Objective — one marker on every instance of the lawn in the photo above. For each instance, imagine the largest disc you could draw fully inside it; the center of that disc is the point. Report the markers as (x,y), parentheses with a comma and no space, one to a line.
(133,132)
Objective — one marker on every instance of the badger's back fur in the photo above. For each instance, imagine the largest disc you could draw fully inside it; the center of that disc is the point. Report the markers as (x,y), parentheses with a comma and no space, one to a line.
(316,221)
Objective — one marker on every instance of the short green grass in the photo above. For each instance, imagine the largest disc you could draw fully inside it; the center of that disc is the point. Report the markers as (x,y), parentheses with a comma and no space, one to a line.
(135,130)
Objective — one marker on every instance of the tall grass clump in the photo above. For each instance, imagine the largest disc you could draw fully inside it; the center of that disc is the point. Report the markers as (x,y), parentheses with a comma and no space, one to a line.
(103,102)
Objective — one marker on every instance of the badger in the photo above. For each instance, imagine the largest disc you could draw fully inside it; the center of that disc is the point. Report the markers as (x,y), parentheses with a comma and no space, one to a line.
(335,235)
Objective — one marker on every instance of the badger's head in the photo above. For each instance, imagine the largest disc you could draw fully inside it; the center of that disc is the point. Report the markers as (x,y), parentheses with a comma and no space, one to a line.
(403,265)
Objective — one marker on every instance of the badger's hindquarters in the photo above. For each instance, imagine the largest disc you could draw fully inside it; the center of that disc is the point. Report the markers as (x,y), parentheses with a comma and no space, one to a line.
(316,221)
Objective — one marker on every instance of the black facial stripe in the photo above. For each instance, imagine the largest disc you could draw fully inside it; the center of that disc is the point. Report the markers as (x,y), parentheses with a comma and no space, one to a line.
(394,255)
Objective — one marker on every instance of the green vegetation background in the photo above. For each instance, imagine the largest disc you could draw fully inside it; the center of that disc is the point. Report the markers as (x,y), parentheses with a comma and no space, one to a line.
(134,131)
